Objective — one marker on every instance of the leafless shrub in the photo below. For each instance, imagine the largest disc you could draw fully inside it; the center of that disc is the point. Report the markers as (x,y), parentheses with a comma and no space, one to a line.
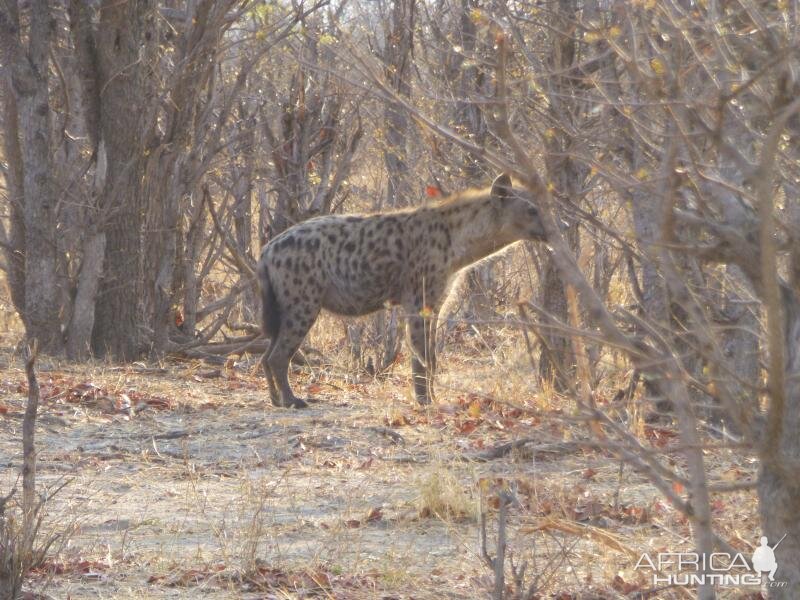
(23,543)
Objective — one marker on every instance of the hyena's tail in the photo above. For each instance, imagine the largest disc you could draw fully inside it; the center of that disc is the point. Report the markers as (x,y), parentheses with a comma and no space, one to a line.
(270,310)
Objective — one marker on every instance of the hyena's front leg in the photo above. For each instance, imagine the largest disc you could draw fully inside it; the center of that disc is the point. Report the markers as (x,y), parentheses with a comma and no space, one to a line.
(420,334)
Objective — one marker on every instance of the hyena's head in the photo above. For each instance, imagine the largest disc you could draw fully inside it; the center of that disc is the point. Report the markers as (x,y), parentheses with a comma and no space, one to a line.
(516,210)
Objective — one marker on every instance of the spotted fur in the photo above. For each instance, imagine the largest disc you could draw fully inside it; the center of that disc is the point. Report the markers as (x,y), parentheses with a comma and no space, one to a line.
(356,264)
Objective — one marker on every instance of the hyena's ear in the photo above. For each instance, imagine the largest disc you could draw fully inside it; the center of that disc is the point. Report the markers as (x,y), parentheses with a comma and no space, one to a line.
(501,186)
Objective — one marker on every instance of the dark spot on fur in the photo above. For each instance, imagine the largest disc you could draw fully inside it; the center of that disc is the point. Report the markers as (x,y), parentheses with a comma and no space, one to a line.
(286,242)
(350,246)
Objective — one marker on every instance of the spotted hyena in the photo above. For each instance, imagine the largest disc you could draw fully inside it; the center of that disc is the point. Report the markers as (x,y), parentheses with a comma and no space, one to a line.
(356,264)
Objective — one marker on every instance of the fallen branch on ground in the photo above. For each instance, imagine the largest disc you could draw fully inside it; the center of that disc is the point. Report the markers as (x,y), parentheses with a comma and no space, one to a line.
(501,450)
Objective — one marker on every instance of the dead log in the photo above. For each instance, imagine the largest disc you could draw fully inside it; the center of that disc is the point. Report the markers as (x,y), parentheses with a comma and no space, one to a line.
(502,450)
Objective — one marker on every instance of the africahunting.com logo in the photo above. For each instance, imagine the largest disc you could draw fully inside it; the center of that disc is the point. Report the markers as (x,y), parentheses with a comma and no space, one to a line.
(717,568)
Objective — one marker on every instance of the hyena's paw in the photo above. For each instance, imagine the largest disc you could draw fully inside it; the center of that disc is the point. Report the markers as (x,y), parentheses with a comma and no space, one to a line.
(291,402)
(424,400)
(295,402)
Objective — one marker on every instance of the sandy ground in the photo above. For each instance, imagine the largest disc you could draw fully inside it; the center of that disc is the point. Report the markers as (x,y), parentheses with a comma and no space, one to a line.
(182,482)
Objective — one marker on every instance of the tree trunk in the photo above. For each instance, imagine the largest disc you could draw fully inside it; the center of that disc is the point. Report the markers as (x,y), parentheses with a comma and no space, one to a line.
(468,82)
(193,243)
(15,192)
(779,505)
(740,342)
(398,43)
(556,363)
(117,316)
(41,315)
(243,215)
(778,482)
(165,193)
(125,38)
(567,176)
(81,325)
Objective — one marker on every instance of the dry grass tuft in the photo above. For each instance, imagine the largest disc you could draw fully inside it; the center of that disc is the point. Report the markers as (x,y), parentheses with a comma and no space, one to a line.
(443,496)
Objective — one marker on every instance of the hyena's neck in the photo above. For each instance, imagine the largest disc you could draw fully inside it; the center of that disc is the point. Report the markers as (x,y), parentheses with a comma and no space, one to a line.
(475,232)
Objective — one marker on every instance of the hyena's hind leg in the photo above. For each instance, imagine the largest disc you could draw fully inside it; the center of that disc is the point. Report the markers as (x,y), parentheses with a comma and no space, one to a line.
(273,390)
(294,327)
(421,338)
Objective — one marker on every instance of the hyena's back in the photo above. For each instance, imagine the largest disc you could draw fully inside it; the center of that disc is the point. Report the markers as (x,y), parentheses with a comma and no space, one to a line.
(350,265)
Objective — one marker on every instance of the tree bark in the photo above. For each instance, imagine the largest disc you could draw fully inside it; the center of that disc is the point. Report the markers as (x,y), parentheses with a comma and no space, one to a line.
(739,341)
(243,209)
(165,194)
(192,248)
(468,83)
(557,363)
(125,38)
(778,482)
(29,70)
(567,176)
(15,193)
(79,330)
(398,42)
